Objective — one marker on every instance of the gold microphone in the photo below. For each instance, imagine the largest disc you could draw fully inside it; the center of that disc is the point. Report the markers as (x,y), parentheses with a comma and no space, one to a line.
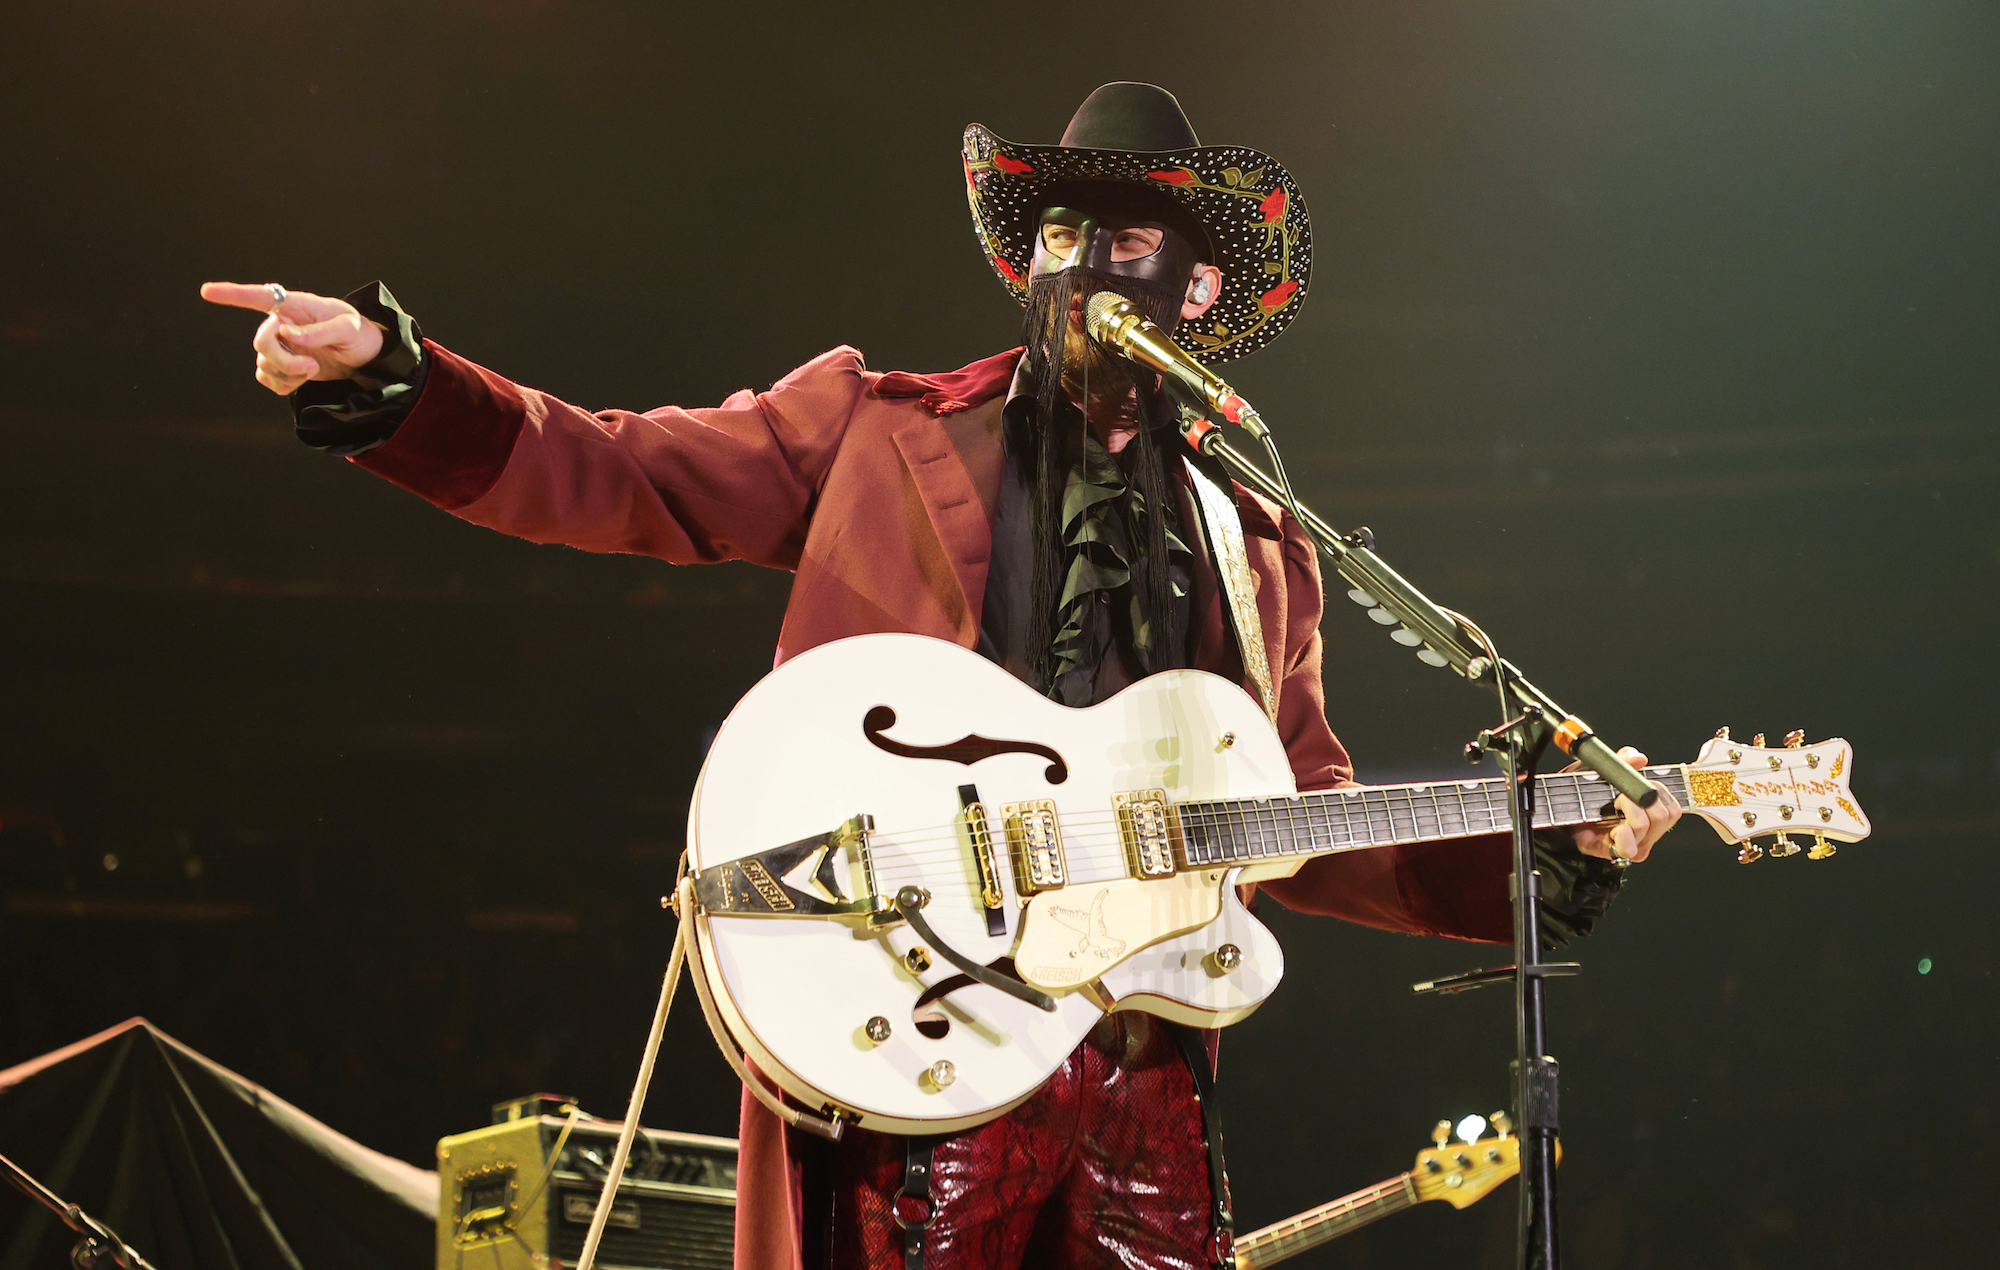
(1116,323)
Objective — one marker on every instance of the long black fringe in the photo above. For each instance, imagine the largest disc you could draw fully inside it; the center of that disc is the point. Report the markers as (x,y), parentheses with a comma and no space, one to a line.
(1151,452)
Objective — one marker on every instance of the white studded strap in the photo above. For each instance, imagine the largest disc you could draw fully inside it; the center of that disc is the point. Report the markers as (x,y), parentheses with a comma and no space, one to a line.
(1223,528)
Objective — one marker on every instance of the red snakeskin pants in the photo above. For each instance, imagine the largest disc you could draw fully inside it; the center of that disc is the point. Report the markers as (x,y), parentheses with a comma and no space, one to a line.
(1103,1167)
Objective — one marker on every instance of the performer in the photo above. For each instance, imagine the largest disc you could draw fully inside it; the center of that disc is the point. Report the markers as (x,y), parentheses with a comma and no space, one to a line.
(1033,506)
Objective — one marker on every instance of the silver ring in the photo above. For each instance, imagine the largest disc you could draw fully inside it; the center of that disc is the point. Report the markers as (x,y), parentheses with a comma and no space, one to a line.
(1621,862)
(278,295)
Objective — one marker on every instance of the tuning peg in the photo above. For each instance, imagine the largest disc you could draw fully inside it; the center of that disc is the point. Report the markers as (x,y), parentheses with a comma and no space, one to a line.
(1503,1124)
(1784,847)
(1821,848)
(1722,734)
(1442,1134)
(1750,854)
(1758,740)
(1795,738)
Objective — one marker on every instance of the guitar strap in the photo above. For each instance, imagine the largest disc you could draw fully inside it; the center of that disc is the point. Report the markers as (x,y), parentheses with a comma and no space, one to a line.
(914,1199)
(1222,1222)
(1222,528)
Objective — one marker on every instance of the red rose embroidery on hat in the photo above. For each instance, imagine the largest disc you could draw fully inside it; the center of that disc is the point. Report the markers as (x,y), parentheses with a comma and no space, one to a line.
(1179,176)
(1015,166)
(1272,209)
(1277,297)
(1000,263)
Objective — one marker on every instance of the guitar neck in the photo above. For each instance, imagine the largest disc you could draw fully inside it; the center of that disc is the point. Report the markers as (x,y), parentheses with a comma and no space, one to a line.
(1241,830)
(1316,1226)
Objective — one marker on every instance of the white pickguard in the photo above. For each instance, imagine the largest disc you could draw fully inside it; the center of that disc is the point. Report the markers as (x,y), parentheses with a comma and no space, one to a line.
(792,761)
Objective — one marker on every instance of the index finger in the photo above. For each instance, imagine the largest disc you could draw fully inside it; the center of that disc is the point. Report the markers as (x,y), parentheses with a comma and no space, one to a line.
(239,295)
(299,306)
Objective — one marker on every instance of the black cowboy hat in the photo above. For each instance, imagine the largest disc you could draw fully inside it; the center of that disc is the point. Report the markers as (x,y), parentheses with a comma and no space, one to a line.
(1240,205)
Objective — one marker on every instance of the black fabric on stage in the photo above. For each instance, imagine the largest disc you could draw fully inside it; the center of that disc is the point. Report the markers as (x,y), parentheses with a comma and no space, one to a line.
(196,1167)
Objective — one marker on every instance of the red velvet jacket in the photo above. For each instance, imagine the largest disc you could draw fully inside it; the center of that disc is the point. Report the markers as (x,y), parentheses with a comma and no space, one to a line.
(877,492)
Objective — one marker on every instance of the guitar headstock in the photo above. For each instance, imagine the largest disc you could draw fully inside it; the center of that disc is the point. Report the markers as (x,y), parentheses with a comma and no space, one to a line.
(1747,791)
(1462,1172)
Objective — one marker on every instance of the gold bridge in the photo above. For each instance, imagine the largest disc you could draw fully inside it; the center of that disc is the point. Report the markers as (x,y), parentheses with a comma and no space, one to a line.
(977,829)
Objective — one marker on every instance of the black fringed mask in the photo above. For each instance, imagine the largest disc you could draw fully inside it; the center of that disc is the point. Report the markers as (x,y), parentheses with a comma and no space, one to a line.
(1121,241)
(1146,249)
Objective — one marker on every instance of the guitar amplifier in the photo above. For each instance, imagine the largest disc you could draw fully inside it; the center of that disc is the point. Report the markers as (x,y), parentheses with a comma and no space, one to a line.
(519,1195)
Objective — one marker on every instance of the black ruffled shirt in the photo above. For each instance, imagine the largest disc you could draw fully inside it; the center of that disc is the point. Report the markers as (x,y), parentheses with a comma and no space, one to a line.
(1104,640)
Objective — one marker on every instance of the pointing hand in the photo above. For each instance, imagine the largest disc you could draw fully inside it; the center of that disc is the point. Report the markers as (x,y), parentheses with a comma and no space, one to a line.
(306,337)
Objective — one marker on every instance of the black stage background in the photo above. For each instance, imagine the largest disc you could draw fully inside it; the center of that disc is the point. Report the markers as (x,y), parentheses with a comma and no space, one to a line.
(1659,336)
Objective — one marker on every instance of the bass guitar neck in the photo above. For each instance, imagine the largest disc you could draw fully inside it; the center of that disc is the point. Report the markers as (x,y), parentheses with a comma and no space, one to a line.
(1315,1226)
(1458,1173)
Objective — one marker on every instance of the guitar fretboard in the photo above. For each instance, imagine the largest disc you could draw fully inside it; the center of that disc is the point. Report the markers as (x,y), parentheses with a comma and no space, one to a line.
(1235,831)
(1309,1229)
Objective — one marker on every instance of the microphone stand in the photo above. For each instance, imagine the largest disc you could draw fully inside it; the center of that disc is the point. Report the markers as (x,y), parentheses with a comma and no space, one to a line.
(98,1247)
(1532,720)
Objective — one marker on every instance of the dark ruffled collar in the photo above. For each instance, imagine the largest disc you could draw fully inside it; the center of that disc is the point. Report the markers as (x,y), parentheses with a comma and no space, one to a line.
(1104,522)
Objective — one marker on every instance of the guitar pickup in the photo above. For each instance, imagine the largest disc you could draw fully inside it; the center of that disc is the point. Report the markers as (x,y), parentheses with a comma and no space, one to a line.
(991,897)
(1148,827)
(1034,840)
(798,879)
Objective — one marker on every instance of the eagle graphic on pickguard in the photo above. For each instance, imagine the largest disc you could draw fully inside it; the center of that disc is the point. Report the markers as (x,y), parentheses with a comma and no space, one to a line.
(1096,939)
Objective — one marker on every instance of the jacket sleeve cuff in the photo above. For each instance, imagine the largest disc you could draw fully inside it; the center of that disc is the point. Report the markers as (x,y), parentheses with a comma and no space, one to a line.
(455,440)
(340,416)
(1576,888)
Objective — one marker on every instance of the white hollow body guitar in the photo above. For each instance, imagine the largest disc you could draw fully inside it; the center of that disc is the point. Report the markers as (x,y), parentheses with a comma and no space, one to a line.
(880,786)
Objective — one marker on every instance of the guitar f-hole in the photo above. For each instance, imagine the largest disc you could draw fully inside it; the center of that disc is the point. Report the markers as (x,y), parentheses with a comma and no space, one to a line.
(968,749)
(929,1018)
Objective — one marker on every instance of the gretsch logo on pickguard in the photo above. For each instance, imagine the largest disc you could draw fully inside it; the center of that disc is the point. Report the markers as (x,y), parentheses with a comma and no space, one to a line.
(968,749)
(1097,941)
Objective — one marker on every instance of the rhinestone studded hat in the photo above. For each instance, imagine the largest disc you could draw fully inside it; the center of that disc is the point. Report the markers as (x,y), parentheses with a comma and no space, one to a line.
(1137,134)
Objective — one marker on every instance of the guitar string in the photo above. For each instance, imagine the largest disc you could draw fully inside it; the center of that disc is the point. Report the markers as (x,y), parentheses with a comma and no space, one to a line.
(1311,1223)
(1248,837)
(1398,809)
(1086,850)
(1375,800)
(1091,858)
(1257,827)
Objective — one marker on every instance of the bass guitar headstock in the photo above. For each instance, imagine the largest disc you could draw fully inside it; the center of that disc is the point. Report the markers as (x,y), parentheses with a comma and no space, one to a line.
(1750,791)
(1463,1172)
